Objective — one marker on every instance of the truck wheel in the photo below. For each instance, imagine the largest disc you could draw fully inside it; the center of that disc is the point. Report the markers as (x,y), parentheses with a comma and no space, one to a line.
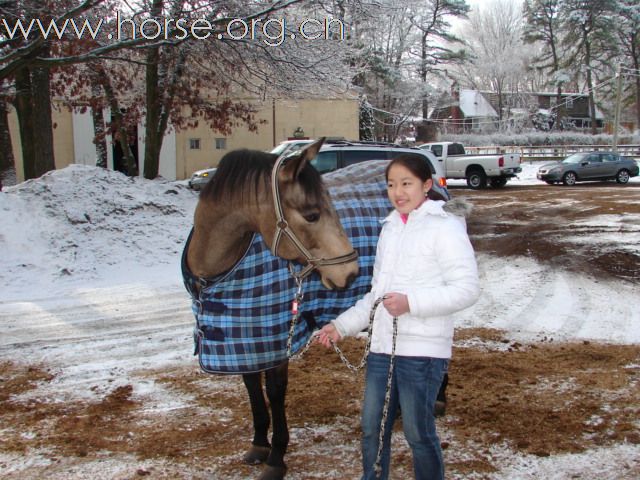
(498,182)
(476,179)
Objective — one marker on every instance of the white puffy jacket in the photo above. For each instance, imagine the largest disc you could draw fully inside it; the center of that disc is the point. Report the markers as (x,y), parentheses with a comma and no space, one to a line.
(429,259)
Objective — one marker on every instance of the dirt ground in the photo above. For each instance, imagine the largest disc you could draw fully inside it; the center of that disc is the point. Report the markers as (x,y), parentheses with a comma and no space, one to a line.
(541,399)
(534,221)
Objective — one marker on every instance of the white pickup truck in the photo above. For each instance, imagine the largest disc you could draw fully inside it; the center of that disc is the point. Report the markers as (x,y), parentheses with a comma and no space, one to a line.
(478,170)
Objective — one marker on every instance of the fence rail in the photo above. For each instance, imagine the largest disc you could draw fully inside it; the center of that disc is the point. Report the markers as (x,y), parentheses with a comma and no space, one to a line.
(554,152)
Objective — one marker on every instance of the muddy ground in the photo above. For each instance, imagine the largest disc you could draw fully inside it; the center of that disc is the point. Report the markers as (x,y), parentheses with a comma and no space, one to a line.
(542,399)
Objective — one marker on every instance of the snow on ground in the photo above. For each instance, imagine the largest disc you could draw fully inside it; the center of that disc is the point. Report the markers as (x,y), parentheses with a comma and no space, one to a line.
(91,285)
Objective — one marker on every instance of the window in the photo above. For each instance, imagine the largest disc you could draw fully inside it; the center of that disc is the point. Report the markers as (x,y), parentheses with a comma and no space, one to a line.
(325,161)
(455,149)
(608,157)
(194,144)
(437,150)
(221,143)
(351,157)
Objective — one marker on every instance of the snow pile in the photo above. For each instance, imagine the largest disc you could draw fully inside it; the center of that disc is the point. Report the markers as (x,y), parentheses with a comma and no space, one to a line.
(85,223)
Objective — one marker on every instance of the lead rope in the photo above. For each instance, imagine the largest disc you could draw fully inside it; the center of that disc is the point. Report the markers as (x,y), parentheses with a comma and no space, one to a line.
(387,399)
(295,310)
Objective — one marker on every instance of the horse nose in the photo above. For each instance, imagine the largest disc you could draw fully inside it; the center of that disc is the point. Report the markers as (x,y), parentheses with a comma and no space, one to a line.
(350,279)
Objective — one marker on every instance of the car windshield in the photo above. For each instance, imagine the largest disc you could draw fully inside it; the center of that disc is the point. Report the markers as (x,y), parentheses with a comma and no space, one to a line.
(575,158)
(280,148)
(291,146)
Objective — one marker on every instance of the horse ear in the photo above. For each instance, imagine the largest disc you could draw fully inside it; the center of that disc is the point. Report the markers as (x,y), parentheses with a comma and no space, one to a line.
(295,163)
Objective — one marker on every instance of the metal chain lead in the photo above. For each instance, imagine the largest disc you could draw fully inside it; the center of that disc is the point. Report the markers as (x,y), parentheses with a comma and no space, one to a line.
(345,360)
(387,400)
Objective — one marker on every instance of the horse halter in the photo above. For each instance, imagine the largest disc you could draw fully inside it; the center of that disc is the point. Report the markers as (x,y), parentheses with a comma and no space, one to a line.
(282,228)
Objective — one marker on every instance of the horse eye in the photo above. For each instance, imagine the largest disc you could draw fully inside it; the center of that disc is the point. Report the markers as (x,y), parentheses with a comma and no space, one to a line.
(312,217)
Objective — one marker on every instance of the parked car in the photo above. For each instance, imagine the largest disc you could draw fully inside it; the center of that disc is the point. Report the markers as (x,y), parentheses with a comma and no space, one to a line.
(200,178)
(337,155)
(589,166)
(290,146)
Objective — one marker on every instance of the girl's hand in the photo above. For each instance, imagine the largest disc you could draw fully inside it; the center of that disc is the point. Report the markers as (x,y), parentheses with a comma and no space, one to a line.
(396,303)
(328,333)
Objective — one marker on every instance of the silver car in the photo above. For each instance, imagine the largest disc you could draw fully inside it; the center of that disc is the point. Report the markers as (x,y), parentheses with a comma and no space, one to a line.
(589,166)
(200,178)
(290,146)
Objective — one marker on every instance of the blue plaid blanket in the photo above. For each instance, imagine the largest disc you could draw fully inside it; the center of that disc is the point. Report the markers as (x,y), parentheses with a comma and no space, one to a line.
(243,317)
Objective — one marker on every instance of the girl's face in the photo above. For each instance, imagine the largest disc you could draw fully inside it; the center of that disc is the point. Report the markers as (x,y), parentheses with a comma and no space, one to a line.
(405,190)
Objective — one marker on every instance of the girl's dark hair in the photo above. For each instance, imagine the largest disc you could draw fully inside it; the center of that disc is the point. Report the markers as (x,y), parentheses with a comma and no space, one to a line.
(419,167)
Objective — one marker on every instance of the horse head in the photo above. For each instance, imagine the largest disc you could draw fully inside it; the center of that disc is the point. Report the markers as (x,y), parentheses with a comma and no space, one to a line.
(307,228)
(282,199)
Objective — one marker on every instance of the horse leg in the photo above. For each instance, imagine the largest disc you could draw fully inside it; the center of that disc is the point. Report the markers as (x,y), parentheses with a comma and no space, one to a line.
(260,446)
(276,382)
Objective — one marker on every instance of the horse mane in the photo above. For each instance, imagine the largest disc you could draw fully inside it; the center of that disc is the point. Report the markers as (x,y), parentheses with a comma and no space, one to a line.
(241,173)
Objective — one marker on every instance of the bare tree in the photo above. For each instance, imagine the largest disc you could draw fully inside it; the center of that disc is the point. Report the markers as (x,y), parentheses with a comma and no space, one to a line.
(498,54)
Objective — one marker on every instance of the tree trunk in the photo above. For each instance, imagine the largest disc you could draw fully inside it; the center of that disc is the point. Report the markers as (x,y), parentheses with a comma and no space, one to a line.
(592,102)
(43,125)
(562,108)
(33,106)
(153,137)
(637,102)
(6,147)
(153,141)
(99,139)
(423,78)
(24,110)
(120,132)
(636,66)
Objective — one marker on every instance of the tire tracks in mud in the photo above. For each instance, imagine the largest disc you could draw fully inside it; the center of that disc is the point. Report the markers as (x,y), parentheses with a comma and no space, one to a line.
(96,339)
(550,303)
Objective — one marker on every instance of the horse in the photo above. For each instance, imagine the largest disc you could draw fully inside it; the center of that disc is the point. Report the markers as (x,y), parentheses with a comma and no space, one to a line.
(265,227)
(275,252)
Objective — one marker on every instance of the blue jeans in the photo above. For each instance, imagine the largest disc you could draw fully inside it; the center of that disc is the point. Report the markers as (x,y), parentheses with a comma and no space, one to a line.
(415,385)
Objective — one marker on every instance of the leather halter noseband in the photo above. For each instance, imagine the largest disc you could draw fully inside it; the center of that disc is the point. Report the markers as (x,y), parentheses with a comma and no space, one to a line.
(282,228)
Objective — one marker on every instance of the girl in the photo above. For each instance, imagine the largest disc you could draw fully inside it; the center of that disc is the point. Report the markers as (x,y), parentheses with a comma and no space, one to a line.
(425,270)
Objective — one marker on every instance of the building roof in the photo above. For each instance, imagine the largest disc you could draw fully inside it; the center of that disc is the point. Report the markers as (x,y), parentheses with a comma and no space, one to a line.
(474,104)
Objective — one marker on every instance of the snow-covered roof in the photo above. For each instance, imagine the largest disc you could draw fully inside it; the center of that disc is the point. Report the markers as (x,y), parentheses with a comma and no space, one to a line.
(473,104)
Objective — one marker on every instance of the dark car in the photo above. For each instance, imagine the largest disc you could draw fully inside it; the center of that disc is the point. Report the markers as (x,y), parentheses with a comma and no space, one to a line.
(589,166)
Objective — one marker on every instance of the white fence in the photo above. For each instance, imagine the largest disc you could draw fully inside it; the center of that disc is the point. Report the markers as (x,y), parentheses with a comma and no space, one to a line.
(555,152)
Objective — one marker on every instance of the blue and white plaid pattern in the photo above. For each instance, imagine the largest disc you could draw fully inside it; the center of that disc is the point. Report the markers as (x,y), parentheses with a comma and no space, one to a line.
(243,317)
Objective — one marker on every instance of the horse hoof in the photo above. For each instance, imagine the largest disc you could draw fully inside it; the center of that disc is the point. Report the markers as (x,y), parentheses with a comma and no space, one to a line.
(440,409)
(273,473)
(256,455)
